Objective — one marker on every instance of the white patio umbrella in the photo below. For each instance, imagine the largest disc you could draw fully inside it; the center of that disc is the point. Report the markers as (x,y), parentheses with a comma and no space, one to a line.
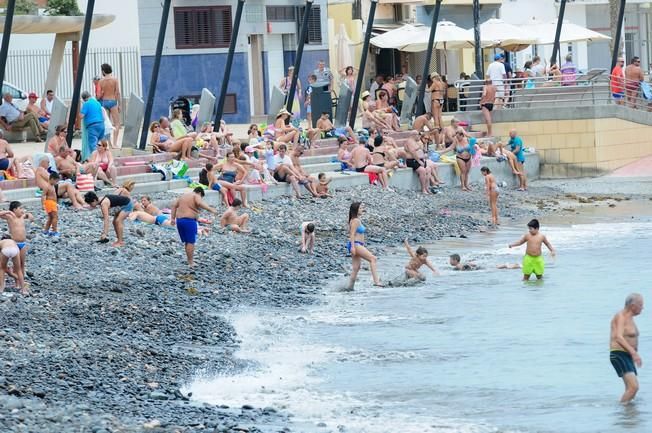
(496,33)
(414,38)
(544,32)
(344,49)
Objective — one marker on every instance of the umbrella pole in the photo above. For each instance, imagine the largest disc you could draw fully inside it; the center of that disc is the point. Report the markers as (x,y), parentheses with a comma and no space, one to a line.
(426,67)
(476,37)
(297,60)
(219,108)
(560,21)
(363,62)
(619,30)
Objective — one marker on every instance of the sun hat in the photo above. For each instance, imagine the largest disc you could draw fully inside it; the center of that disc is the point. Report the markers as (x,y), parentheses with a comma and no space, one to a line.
(249,149)
(365,94)
(282,112)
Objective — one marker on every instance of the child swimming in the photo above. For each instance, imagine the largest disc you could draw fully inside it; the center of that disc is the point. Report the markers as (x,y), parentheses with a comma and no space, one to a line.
(533,260)
(418,259)
(456,262)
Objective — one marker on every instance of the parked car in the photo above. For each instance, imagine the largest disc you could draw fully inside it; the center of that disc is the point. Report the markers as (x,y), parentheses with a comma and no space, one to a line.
(20,96)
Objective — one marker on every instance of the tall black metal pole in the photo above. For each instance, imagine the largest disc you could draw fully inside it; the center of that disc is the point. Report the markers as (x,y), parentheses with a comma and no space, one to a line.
(74,103)
(560,21)
(155,70)
(297,60)
(363,62)
(479,64)
(619,31)
(6,35)
(229,63)
(426,67)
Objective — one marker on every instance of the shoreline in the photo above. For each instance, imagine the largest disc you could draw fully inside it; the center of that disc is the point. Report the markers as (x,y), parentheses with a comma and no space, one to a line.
(123,330)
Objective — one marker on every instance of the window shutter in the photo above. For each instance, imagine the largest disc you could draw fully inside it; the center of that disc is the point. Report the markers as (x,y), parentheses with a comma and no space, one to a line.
(313,35)
(202,27)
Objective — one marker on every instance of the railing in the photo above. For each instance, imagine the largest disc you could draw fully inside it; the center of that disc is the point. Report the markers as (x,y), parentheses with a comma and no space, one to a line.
(28,69)
(543,92)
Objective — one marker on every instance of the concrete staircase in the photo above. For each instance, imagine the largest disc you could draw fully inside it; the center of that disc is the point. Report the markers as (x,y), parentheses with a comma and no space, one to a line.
(319,159)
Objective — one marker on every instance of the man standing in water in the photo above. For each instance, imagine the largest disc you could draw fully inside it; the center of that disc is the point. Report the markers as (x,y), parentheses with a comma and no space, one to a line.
(623,345)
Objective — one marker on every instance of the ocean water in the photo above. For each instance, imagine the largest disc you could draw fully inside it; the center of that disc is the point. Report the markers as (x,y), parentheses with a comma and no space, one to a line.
(472,352)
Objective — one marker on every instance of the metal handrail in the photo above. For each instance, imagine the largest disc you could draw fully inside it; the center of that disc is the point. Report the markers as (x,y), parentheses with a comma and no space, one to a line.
(533,92)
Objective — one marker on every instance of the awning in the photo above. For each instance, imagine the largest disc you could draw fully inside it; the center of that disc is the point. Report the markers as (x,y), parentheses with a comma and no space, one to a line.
(33,24)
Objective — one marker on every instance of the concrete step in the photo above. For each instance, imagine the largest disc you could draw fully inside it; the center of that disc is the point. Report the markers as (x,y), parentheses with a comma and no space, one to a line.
(318,159)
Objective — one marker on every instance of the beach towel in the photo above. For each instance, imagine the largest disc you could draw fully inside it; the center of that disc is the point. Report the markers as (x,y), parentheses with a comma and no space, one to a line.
(451,160)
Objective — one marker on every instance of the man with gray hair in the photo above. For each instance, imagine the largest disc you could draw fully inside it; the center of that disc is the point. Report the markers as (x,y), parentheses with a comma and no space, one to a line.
(12,118)
(623,345)
(93,118)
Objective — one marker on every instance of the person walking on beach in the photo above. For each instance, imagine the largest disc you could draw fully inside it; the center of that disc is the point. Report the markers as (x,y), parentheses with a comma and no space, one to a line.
(533,260)
(623,345)
(492,193)
(356,245)
(185,212)
(123,205)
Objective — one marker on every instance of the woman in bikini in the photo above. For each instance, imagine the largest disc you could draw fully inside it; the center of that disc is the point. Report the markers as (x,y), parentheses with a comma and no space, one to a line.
(492,193)
(162,142)
(343,154)
(103,159)
(285,133)
(232,176)
(385,112)
(356,246)
(381,155)
(437,94)
(347,75)
(464,151)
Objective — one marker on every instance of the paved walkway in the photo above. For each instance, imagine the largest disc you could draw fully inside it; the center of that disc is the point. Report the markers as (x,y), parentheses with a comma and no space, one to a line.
(640,168)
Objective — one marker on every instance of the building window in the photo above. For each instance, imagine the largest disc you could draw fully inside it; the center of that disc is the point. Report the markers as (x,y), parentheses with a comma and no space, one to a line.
(202,27)
(314,25)
(281,13)
(230,103)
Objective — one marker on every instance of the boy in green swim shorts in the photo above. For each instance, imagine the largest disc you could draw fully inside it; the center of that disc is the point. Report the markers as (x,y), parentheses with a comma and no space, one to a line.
(533,261)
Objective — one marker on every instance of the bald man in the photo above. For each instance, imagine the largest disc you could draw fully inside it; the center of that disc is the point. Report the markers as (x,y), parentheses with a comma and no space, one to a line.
(623,345)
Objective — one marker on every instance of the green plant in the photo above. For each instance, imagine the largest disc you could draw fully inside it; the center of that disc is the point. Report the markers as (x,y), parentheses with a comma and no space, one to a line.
(62,8)
(25,7)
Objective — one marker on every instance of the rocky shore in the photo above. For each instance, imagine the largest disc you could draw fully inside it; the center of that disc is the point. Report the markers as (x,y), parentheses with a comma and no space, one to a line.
(109,336)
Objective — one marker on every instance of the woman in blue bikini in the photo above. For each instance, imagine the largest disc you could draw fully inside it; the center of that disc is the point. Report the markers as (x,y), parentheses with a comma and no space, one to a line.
(231,171)
(356,246)
(464,151)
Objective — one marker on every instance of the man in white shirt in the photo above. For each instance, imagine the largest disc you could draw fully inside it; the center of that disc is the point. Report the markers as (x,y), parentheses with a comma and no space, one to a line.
(47,103)
(324,76)
(11,118)
(496,71)
(284,170)
(375,86)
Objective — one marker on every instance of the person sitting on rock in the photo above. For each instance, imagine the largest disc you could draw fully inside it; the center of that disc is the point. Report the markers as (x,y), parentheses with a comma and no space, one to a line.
(230,219)
(149,213)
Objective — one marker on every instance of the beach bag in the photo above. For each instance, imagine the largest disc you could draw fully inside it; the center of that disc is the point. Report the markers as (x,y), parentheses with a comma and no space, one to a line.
(178,168)
(85,182)
(163,170)
(25,170)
